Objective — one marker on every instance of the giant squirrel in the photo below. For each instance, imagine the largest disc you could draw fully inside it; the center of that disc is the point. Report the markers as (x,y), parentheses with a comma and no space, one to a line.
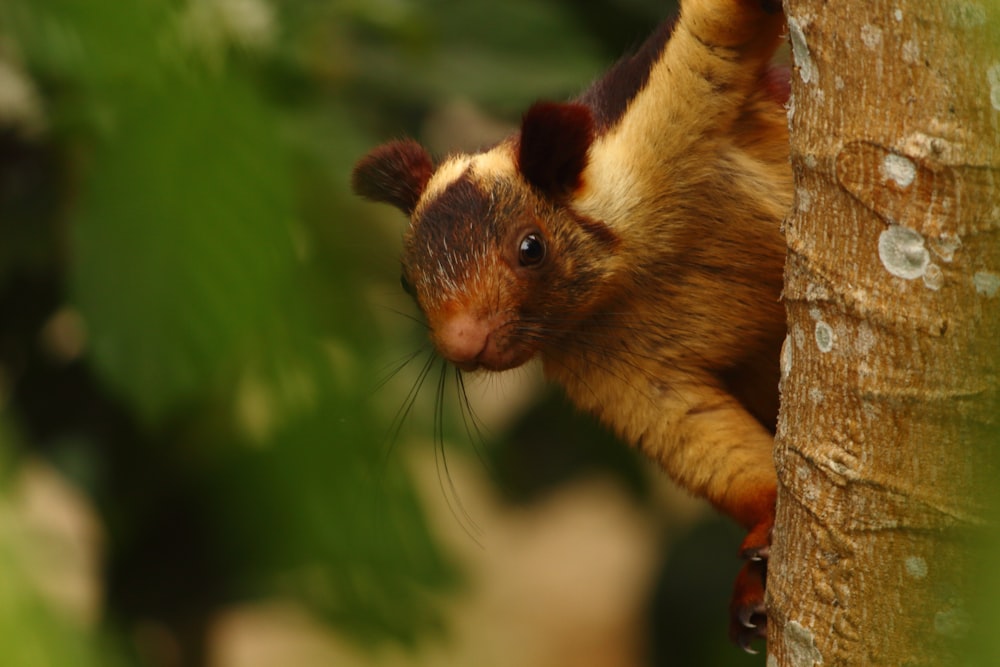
(630,238)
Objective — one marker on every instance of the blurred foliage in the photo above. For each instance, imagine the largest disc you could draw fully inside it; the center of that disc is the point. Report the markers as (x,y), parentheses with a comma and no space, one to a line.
(195,312)
(213,396)
(30,630)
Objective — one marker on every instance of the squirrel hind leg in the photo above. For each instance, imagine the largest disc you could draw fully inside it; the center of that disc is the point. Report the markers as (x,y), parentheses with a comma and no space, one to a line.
(747,611)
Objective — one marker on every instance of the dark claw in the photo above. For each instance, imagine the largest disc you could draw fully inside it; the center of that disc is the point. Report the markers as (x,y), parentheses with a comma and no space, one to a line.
(755,625)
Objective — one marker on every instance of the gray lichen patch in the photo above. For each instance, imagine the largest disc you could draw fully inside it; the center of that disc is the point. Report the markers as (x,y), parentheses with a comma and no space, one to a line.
(800,51)
(987,283)
(899,169)
(933,277)
(903,252)
(786,356)
(801,646)
(824,336)
(993,77)
(916,567)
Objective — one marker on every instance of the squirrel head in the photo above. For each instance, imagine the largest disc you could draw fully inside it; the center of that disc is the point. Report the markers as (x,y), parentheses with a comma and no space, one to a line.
(495,256)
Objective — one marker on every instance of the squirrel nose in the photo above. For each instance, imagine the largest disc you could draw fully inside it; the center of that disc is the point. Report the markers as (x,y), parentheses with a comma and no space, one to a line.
(462,339)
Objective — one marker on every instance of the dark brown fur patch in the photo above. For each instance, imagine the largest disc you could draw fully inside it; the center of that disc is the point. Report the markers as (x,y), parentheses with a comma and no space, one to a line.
(460,207)
(395,173)
(609,96)
(604,234)
(453,226)
(554,142)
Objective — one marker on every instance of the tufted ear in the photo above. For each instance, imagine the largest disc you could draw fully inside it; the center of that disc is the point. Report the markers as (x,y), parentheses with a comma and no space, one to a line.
(555,139)
(395,173)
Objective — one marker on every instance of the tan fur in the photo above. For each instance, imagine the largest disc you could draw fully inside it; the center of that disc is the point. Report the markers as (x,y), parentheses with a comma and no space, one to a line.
(673,142)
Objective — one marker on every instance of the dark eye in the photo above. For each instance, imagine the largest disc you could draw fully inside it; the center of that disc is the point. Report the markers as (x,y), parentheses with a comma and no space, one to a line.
(407,286)
(531,251)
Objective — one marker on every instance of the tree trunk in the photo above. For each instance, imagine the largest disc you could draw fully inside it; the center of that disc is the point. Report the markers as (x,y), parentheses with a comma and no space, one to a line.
(887,432)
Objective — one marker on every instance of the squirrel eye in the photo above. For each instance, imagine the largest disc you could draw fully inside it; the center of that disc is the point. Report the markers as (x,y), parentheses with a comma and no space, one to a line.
(531,251)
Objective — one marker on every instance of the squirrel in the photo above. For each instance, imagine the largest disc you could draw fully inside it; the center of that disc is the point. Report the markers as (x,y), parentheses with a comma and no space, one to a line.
(631,239)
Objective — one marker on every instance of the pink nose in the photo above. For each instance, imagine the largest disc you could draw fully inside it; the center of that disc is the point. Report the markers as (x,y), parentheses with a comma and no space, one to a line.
(461,339)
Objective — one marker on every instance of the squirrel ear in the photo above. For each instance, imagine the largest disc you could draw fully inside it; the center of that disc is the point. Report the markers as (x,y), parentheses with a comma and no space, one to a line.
(395,173)
(553,149)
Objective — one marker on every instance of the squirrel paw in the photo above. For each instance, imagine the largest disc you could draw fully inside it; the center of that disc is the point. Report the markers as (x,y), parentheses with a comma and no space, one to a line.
(756,545)
(747,613)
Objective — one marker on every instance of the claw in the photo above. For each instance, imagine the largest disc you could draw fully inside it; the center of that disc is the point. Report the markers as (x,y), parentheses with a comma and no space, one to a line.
(747,613)
(747,610)
(753,631)
(745,645)
(757,554)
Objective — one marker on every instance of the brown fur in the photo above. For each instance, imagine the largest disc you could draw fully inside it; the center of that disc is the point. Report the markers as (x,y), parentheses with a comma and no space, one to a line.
(658,195)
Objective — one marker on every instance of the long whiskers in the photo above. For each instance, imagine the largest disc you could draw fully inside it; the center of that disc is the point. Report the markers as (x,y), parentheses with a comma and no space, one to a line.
(606,343)
(474,426)
(394,368)
(404,410)
(445,480)
(410,316)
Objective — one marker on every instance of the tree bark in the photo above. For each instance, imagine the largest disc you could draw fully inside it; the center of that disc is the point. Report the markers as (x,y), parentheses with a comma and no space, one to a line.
(887,437)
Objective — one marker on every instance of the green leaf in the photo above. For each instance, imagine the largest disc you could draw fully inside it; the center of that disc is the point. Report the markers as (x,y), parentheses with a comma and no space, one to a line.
(503,55)
(183,256)
(93,43)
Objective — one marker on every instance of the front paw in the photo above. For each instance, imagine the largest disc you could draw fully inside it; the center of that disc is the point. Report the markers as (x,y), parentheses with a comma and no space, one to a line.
(756,545)
(747,612)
